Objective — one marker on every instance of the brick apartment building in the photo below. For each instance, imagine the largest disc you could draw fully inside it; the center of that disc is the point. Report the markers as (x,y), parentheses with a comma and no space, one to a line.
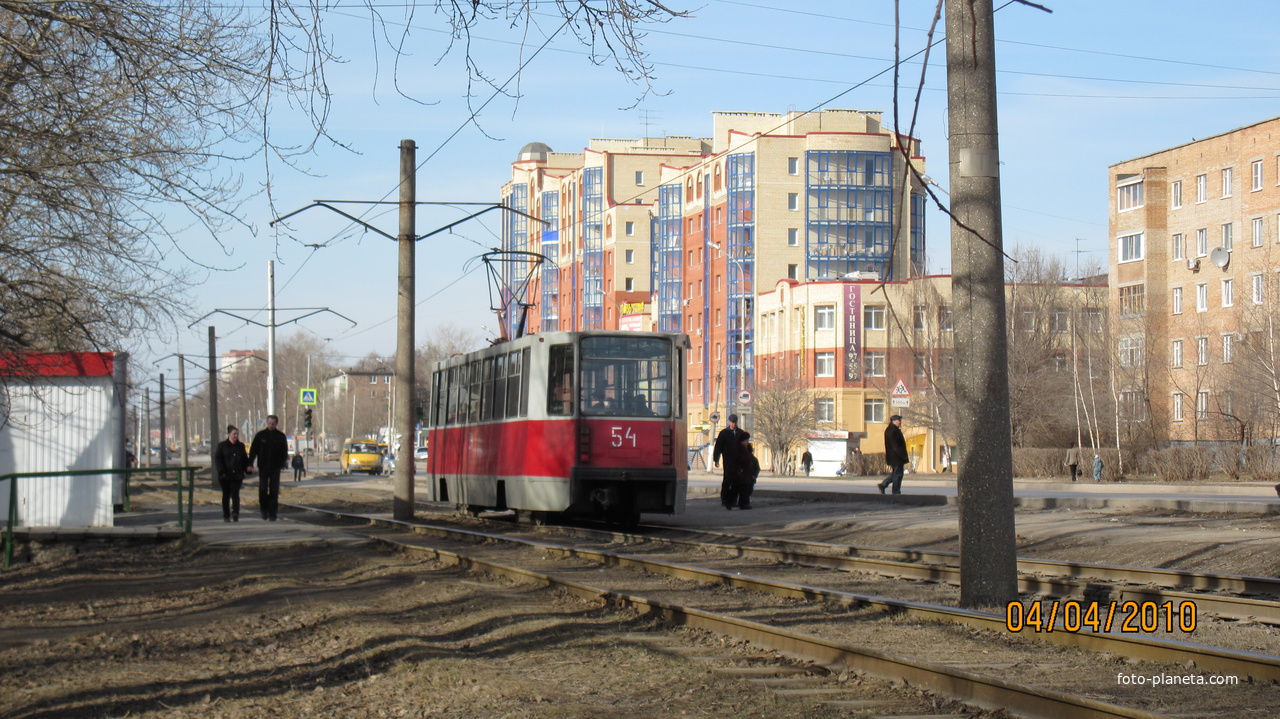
(684,234)
(1195,251)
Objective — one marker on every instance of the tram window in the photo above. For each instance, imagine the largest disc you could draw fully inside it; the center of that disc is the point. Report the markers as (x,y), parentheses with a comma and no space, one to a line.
(512,397)
(626,376)
(524,383)
(475,391)
(560,380)
(498,388)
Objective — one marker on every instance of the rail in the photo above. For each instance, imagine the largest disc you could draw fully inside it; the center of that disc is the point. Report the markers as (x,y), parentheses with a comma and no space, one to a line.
(184,516)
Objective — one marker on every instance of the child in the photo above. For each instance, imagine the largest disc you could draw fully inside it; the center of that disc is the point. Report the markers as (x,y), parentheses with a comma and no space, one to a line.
(748,470)
(1097,468)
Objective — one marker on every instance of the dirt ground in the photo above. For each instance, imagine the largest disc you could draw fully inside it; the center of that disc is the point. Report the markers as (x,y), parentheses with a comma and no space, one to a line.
(175,630)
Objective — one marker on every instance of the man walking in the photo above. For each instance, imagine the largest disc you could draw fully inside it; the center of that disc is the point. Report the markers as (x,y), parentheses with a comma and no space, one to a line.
(729,446)
(806,461)
(271,449)
(895,454)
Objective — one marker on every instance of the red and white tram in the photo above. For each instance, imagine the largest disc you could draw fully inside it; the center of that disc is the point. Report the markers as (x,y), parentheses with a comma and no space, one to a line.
(581,423)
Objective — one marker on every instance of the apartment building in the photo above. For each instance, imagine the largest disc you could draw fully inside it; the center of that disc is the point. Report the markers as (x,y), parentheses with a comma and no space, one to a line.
(1195,251)
(683,234)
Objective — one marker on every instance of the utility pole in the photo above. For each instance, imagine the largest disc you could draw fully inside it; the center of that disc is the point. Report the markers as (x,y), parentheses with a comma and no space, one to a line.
(271,337)
(402,484)
(214,429)
(988,548)
(146,410)
(164,447)
(182,410)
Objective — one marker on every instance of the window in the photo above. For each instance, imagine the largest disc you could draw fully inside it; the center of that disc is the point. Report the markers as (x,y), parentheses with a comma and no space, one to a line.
(1202,297)
(629,228)
(792,271)
(873,364)
(793,166)
(824,364)
(1132,300)
(917,319)
(1257,232)
(1175,194)
(1131,247)
(1228,348)
(1059,320)
(1179,251)
(793,237)
(1202,188)
(824,317)
(1129,197)
(1176,403)
(373,379)
(1226,181)
(920,365)
(1093,318)
(1256,174)
(1257,289)
(629,284)
(1132,407)
(629,255)
(1227,241)
(944,319)
(873,317)
(1228,292)
(793,201)
(639,177)
(1202,404)
(1175,354)
(1202,351)
(824,409)
(1202,242)
(1175,299)
(873,410)
(1027,321)
(1131,351)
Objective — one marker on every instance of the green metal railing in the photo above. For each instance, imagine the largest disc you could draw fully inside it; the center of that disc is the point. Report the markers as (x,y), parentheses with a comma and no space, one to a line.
(184,515)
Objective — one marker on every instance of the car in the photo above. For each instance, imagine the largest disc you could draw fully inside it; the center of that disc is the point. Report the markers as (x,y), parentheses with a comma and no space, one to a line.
(389,464)
(420,454)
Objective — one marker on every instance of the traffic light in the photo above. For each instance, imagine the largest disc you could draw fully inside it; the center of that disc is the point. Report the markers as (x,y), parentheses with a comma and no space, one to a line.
(306,418)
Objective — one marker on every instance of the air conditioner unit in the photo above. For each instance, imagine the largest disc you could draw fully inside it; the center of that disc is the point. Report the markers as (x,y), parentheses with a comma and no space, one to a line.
(1193,264)
(698,332)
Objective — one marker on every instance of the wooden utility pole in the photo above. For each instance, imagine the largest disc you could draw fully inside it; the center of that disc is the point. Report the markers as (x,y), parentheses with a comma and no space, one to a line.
(402,506)
(214,430)
(988,548)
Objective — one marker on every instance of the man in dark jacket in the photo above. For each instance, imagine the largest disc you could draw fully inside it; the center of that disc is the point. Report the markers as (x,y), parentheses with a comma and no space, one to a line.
(271,449)
(895,454)
(729,446)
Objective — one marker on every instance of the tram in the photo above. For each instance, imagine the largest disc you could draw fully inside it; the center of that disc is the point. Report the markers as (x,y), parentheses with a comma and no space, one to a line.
(586,424)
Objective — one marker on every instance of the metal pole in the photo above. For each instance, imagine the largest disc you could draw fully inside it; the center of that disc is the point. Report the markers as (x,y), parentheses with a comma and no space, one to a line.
(271,337)
(988,549)
(164,444)
(402,506)
(146,410)
(182,410)
(214,430)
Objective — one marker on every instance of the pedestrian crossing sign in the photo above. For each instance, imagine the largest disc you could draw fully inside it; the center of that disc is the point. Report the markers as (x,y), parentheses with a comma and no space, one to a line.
(900,390)
(307,396)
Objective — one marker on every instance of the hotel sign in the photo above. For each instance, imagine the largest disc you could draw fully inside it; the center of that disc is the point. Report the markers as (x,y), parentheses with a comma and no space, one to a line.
(852,332)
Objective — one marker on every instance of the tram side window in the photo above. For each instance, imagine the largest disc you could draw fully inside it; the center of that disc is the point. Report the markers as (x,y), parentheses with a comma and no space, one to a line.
(560,380)
(476,390)
(514,388)
(524,383)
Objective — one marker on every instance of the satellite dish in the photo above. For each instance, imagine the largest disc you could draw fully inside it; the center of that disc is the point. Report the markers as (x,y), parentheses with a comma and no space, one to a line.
(1220,257)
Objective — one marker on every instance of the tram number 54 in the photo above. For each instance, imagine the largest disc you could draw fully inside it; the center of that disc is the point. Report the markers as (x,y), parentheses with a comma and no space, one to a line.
(622,435)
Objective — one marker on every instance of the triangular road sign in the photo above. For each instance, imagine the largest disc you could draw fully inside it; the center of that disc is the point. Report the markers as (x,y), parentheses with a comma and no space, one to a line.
(900,390)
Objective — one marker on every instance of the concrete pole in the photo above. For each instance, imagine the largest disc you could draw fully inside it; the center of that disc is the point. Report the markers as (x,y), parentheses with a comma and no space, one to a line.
(182,410)
(164,444)
(988,549)
(271,337)
(214,429)
(402,506)
(146,441)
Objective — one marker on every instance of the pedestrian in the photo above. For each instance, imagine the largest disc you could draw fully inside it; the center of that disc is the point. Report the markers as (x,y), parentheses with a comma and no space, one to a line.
(1073,459)
(748,471)
(230,465)
(729,446)
(895,454)
(271,450)
(806,461)
(299,466)
(946,460)
(1097,468)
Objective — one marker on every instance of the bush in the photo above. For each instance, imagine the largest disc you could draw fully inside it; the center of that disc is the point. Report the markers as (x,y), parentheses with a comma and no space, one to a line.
(1039,462)
(860,464)
(1181,464)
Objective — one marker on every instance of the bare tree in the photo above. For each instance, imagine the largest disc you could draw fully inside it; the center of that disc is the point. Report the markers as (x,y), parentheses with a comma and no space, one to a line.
(123,125)
(781,413)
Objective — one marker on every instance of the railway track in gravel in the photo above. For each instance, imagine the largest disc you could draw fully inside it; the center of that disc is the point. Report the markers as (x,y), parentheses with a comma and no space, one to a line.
(833,627)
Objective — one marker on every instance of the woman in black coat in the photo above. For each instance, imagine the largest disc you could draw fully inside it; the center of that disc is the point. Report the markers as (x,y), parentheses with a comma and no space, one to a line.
(230,464)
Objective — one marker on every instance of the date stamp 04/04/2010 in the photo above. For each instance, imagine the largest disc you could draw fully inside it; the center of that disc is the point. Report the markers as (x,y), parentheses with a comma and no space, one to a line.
(1075,616)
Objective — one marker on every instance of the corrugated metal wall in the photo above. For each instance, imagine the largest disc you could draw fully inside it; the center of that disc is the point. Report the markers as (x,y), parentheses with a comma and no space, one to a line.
(61,423)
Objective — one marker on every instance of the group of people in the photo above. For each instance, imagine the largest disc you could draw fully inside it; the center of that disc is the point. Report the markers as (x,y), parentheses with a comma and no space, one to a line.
(232,462)
(741,468)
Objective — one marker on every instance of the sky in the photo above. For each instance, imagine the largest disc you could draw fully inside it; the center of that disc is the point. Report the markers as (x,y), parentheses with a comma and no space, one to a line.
(1090,84)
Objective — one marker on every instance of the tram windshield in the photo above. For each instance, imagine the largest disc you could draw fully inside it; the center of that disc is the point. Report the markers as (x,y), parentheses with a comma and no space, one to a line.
(626,377)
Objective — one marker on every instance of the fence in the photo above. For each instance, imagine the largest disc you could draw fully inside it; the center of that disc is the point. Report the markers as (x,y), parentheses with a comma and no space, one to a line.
(184,515)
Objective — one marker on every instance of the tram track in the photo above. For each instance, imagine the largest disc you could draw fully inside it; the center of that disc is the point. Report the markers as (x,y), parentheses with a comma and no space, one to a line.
(865,609)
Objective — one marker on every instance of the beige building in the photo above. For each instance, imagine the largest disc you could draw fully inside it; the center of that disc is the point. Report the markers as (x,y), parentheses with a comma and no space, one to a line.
(1194,259)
